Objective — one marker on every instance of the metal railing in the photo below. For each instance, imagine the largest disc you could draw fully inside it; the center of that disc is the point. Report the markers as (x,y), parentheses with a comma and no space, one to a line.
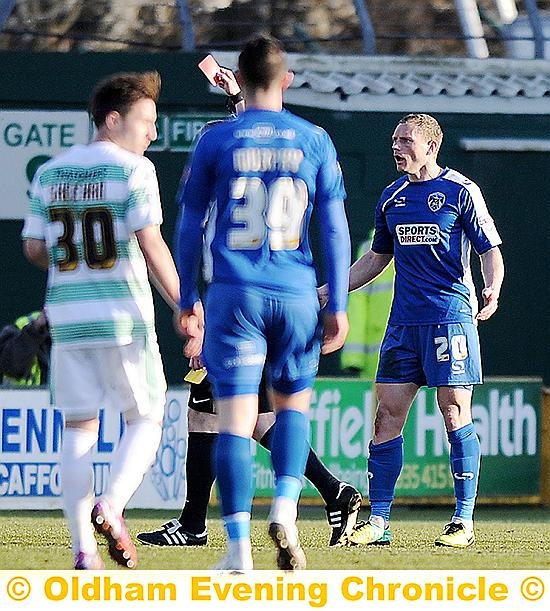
(469,29)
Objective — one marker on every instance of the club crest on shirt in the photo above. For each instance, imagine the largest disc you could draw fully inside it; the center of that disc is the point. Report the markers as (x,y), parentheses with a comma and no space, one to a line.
(436,200)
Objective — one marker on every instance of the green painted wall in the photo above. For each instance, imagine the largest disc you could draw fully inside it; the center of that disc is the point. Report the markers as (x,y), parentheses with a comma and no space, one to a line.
(515,342)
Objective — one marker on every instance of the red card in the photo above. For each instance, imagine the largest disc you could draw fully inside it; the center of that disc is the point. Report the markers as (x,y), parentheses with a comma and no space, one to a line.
(210,67)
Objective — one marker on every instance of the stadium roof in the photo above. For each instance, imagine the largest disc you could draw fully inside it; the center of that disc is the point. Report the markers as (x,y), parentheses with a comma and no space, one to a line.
(387,84)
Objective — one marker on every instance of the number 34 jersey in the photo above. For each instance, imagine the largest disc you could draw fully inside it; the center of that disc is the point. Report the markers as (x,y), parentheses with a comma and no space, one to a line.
(261,174)
(87,204)
(429,227)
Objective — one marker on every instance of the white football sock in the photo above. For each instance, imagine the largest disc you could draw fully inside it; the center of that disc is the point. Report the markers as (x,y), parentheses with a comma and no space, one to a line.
(77,479)
(283,511)
(132,458)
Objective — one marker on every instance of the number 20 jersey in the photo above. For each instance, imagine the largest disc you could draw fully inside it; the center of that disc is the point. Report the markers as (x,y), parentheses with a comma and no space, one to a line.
(261,174)
(429,227)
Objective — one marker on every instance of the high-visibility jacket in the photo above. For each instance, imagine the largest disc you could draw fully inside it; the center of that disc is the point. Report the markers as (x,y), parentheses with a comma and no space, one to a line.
(368,311)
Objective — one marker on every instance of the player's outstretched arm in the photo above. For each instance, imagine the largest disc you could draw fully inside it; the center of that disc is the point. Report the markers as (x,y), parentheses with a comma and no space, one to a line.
(363,271)
(492,270)
(367,268)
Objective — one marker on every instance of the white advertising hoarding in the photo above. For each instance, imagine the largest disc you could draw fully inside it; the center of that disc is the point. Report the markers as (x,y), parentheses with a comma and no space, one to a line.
(30,442)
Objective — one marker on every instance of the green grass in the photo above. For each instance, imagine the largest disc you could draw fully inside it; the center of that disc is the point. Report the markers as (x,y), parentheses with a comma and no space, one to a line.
(507,538)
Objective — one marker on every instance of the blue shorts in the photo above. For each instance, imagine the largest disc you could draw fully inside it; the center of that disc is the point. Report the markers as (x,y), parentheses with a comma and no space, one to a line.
(244,327)
(430,355)
(201,399)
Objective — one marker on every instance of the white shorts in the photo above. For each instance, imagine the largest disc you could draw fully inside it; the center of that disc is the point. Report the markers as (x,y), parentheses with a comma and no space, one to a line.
(121,378)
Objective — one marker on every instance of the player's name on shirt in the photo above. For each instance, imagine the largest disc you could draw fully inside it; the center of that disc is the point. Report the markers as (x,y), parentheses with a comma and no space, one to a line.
(255,159)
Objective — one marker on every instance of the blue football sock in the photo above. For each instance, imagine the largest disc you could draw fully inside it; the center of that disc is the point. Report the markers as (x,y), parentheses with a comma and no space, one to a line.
(289,487)
(233,460)
(237,526)
(289,450)
(465,456)
(384,466)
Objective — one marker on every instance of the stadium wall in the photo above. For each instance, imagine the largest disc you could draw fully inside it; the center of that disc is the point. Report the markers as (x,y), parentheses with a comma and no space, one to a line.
(515,341)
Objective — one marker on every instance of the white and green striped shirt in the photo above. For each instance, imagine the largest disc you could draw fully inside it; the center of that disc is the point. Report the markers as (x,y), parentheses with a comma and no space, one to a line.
(87,204)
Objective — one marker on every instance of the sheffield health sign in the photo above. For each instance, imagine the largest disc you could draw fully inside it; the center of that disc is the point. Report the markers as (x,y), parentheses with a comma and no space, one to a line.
(507,416)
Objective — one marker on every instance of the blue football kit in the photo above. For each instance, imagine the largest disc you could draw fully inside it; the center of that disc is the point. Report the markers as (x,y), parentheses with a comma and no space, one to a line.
(430,227)
(257,179)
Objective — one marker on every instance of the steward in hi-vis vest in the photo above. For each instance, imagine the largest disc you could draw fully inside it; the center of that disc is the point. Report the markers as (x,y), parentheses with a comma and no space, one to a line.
(368,310)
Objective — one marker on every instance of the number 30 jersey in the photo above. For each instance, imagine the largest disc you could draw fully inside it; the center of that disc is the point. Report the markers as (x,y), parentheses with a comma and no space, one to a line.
(87,204)
(258,177)
(429,227)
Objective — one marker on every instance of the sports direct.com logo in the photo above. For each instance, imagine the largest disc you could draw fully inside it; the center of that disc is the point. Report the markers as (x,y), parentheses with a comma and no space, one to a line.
(414,234)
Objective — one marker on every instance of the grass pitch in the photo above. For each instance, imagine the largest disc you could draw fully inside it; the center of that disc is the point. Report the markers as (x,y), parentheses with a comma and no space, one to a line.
(506,538)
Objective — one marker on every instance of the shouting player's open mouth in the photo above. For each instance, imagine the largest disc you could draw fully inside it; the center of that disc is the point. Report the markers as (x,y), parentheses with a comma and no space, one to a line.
(399,161)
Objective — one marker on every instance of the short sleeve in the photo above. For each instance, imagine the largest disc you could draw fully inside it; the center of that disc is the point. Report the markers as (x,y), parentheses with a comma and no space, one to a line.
(143,204)
(477,223)
(35,221)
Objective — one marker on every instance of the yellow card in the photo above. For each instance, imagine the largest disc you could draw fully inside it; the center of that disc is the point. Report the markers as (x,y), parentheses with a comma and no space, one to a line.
(196,376)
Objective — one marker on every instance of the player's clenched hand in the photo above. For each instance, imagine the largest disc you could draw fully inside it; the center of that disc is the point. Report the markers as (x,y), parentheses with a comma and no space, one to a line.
(490,304)
(190,323)
(335,330)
